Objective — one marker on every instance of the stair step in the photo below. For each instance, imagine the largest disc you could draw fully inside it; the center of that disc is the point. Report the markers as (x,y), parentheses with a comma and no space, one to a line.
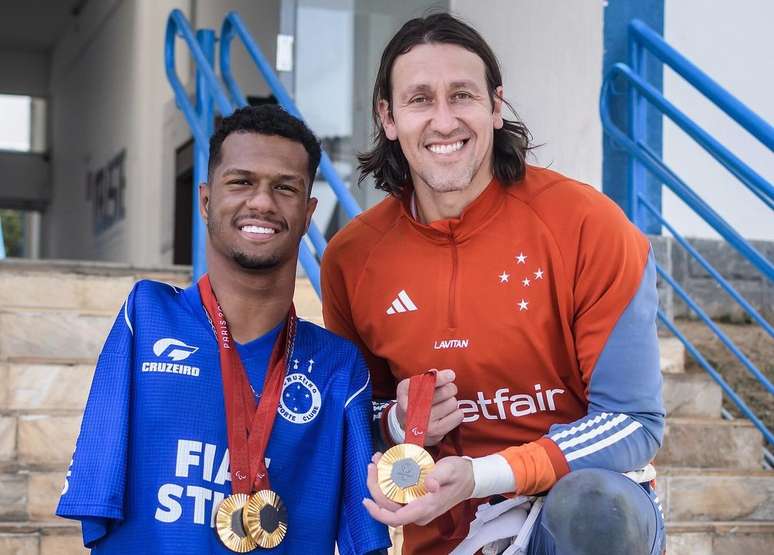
(52,334)
(701,495)
(711,443)
(74,285)
(307,302)
(672,354)
(29,494)
(31,387)
(38,439)
(59,537)
(692,395)
(78,334)
(720,538)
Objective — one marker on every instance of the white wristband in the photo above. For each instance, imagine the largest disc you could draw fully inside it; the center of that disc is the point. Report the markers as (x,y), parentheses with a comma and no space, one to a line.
(492,475)
(396,432)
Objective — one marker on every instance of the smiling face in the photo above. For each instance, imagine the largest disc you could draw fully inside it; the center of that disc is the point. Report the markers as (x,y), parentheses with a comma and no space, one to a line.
(443,116)
(257,205)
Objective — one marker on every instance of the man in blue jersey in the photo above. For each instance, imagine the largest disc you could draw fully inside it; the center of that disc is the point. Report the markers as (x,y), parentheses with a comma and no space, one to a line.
(171,427)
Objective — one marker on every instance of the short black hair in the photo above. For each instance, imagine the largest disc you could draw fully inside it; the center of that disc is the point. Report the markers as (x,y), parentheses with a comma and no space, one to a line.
(386,161)
(267,119)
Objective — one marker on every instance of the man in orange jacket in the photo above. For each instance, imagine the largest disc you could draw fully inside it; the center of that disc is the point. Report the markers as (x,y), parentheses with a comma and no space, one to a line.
(532,292)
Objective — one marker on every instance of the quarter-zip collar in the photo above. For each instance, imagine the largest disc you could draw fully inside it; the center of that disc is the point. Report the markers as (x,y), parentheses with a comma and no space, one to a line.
(475,216)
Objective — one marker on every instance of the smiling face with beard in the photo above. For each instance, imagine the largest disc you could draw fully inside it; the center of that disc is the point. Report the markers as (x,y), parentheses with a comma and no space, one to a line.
(257,205)
(443,116)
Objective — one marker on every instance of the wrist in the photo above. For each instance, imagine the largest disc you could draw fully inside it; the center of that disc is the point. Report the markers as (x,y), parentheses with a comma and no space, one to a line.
(492,475)
(395,430)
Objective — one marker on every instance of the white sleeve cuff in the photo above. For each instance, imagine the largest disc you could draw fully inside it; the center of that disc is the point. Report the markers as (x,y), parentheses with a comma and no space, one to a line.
(492,475)
(396,432)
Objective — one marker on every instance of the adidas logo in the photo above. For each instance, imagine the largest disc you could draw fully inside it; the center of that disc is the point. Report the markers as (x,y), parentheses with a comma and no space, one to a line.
(402,303)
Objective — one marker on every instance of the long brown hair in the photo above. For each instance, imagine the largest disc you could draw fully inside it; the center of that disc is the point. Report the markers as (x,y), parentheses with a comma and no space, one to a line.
(385,161)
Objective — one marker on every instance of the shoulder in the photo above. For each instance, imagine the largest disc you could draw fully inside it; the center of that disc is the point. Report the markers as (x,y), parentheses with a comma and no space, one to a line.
(360,235)
(147,289)
(321,340)
(147,296)
(572,211)
(557,198)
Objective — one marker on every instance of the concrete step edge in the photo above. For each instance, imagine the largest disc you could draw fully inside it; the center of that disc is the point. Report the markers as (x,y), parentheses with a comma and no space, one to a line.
(694,420)
(46,527)
(88,267)
(721,527)
(686,471)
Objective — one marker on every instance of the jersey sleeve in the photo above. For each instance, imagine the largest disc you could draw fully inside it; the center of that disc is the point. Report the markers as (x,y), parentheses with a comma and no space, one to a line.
(616,345)
(335,277)
(358,533)
(94,486)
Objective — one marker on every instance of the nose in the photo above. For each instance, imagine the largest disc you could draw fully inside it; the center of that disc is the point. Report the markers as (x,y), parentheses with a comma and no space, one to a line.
(444,121)
(262,200)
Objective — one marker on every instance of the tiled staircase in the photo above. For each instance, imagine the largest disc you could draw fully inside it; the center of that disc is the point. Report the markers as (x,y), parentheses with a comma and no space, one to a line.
(716,497)
(54,318)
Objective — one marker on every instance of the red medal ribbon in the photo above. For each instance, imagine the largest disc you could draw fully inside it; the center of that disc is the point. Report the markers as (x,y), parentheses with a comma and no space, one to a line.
(248,427)
(420,401)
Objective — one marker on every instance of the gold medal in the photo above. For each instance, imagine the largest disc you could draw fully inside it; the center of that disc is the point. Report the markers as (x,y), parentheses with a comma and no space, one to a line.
(229,523)
(266,518)
(401,472)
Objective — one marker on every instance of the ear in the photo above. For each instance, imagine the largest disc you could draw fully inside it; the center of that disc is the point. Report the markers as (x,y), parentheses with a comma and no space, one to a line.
(388,124)
(311,204)
(497,108)
(204,200)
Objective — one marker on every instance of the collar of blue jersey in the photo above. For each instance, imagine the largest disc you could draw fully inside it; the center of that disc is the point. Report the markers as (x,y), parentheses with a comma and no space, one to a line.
(474,217)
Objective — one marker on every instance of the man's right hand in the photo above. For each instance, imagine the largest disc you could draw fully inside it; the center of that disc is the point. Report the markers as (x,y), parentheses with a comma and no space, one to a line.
(445,415)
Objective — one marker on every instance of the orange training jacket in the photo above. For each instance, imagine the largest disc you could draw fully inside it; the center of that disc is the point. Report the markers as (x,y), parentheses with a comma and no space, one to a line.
(541,297)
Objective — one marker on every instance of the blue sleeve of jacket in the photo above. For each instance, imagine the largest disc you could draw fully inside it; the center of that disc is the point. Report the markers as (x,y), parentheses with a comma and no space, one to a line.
(95,483)
(624,425)
(358,533)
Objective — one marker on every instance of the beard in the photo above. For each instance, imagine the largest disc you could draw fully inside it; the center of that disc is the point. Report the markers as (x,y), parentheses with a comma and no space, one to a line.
(245,260)
(448,180)
(259,263)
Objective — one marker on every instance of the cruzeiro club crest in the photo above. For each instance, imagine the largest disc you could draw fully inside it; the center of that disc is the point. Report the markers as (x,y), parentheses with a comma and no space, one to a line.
(300,401)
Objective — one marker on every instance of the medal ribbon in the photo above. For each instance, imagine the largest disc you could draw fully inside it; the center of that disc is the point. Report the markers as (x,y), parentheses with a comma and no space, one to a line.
(248,426)
(420,401)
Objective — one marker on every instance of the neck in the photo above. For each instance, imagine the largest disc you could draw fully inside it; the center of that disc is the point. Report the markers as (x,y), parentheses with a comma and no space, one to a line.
(433,205)
(254,302)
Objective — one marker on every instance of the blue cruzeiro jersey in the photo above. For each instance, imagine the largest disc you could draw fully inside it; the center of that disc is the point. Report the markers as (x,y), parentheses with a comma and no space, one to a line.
(151,463)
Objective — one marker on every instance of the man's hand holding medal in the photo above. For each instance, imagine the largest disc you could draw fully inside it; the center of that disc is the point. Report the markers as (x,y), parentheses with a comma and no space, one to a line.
(405,484)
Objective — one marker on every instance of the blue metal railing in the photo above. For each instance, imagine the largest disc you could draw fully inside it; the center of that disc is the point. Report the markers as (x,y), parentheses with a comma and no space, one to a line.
(644,211)
(2,241)
(200,118)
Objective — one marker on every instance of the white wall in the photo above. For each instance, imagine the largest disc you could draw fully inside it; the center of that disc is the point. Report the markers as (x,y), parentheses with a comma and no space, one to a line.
(551,56)
(324,68)
(108,89)
(734,44)
(24,72)
(109,92)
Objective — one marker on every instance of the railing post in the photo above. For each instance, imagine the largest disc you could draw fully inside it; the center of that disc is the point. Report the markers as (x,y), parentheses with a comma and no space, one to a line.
(2,242)
(637,126)
(638,131)
(205,113)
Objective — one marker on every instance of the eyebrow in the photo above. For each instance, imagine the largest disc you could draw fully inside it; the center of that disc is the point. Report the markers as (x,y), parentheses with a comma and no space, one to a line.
(425,88)
(238,172)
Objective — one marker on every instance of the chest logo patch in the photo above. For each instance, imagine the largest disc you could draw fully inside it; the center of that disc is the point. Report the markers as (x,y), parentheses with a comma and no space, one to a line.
(301,400)
(525,278)
(174,349)
(401,303)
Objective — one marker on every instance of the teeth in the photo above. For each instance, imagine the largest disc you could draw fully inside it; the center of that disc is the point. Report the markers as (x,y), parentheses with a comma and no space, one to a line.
(257,229)
(446,149)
